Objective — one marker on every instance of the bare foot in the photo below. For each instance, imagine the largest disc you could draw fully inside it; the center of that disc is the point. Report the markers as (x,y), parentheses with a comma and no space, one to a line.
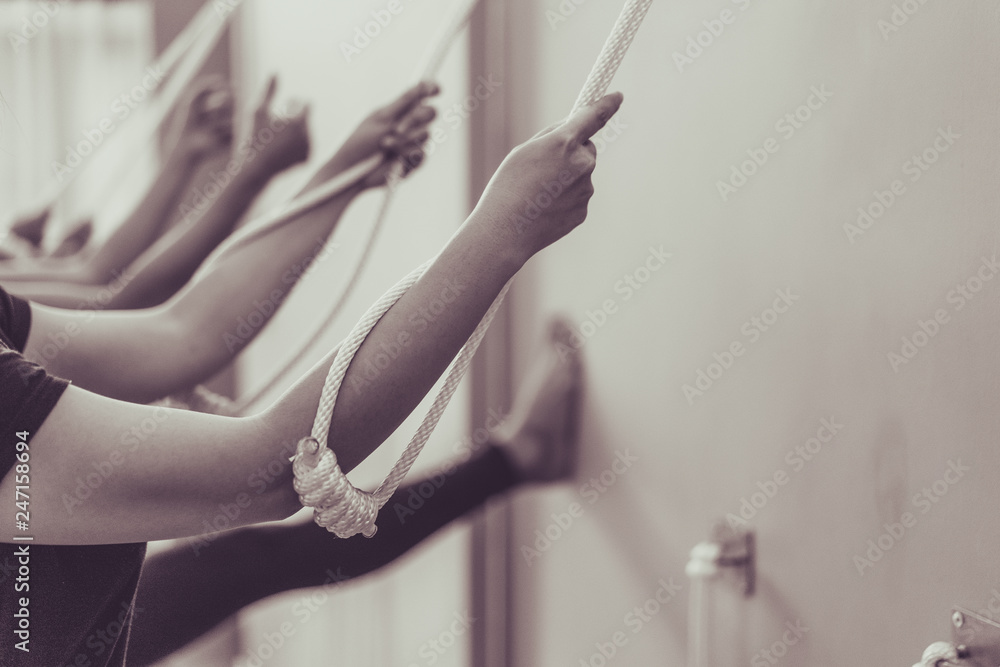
(32,228)
(76,241)
(539,435)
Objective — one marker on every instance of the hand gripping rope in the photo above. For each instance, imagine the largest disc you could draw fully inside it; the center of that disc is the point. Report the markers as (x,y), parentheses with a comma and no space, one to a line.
(426,72)
(340,507)
(203,399)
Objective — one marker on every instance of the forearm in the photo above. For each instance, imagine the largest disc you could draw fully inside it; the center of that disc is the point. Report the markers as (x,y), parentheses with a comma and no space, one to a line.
(163,269)
(146,221)
(61,294)
(210,310)
(425,329)
(44,269)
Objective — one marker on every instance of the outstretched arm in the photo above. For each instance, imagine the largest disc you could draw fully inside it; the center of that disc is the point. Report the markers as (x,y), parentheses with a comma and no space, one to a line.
(275,143)
(205,127)
(144,355)
(183,469)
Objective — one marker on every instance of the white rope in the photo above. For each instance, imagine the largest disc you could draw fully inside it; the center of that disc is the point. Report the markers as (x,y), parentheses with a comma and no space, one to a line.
(460,15)
(321,484)
(939,654)
(245,402)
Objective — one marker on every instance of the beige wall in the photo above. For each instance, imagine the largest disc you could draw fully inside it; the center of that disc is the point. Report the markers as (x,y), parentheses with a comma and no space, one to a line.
(826,357)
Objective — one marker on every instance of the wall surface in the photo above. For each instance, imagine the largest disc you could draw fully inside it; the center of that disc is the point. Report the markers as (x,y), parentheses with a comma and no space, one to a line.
(882,330)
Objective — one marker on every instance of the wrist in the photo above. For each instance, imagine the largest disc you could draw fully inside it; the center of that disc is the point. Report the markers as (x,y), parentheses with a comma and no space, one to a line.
(256,172)
(504,234)
(185,157)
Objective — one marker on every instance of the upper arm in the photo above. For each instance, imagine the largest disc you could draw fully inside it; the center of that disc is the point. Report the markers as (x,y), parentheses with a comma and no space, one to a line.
(138,356)
(102,472)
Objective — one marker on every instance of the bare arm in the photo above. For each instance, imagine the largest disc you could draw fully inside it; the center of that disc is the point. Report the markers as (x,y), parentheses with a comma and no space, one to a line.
(144,355)
(205,127)
(274,144)
(190,464)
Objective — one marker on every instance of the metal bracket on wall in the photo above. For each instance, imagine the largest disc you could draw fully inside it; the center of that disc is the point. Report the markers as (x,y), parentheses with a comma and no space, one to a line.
(977,639)
(732,554)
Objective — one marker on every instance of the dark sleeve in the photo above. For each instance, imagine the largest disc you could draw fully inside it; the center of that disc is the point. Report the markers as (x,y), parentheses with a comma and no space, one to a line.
(27,393)
(15,320)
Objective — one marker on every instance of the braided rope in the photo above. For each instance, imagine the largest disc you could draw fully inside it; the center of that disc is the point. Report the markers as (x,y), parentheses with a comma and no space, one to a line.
(426,72)
(340,507)
(939,654)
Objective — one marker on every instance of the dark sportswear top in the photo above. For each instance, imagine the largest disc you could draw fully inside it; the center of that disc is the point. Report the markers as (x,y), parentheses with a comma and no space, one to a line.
(79,599)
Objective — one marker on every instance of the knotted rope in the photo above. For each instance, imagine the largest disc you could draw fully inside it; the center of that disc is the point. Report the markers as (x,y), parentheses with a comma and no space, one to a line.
(339,506)
(939,654)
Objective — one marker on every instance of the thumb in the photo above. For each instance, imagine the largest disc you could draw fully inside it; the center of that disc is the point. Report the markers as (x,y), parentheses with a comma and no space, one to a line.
(410,99)
(586,122)
(269,90)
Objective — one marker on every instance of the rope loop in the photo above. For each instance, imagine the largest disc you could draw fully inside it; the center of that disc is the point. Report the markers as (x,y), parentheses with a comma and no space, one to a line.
(338,506)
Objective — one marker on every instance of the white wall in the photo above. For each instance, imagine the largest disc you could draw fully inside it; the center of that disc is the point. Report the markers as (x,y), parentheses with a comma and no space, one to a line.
(826,357)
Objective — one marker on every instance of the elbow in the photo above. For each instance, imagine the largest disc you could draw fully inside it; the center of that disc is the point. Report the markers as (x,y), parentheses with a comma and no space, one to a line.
(280,503)
(176,360)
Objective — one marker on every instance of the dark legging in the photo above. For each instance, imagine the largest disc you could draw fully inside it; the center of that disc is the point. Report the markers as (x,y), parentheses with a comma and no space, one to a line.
(182,595)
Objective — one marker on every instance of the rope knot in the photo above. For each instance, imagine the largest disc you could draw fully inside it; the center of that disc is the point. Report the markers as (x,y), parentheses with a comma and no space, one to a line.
(337,505)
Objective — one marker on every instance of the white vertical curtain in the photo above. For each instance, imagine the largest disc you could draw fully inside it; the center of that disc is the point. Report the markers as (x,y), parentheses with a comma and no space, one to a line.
(67,69)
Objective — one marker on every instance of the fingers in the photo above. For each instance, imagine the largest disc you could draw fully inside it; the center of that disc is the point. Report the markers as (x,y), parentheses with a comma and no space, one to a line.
(587,122)
(410,99)
(548,129)
(267,98)
(202,89)
(419,118)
